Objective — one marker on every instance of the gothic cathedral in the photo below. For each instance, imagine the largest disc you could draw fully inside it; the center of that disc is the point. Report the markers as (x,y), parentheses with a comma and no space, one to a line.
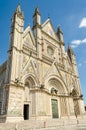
(39,80)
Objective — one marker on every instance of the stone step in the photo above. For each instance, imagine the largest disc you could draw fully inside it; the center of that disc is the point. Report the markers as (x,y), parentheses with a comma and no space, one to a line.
(41,124)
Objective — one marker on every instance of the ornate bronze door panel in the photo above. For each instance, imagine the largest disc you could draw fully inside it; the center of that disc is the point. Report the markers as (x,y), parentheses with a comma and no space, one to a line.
(54,108)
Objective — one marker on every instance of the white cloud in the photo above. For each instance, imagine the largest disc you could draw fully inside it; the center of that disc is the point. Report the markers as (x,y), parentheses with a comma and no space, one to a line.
(84,40)
(76,43)
(73,46)
(83,23)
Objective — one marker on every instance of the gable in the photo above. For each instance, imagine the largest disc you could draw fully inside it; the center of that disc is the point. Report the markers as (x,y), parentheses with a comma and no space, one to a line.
(48,28)
(30,66)
(52,70)
(28,38)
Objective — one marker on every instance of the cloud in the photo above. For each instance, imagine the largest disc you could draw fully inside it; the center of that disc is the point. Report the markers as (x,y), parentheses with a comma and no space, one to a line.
(83,23)
(84,40)
(76,43)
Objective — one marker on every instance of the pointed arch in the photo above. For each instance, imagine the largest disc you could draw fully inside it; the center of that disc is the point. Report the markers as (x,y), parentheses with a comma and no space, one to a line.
(56,82)
(29,77)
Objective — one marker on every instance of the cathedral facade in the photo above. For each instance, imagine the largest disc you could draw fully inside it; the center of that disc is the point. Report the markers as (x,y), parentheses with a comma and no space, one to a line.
(39,80)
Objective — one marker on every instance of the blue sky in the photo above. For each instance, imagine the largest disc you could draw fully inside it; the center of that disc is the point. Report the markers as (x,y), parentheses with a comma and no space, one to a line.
(69,14)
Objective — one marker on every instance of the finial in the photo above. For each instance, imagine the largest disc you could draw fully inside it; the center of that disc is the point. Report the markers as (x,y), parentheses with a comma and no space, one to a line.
(48,16)
(36,11)
(18,8)
(70,49)
(59,29)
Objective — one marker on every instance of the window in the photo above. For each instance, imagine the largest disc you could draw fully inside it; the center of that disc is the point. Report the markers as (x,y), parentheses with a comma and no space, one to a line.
(50,51)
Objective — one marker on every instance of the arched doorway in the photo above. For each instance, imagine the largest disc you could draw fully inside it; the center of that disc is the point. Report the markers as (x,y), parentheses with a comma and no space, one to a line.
(29,83)
(58,99)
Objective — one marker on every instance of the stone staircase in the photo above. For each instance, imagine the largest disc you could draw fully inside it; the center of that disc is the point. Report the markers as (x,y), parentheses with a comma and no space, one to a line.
(37,124)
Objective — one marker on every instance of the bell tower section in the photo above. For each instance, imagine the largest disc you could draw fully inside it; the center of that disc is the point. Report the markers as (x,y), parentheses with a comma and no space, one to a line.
(15,47)
(14,67)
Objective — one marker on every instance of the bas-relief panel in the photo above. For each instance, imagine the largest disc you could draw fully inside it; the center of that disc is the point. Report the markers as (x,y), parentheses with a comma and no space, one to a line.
(41,98)
(71,106)
(63,76)
(46,68)
(25,60)
(62,105)
(16,97)
(28,69)
(30,65)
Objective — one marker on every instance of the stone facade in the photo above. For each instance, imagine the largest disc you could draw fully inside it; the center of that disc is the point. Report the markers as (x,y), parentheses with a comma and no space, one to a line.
(40,79)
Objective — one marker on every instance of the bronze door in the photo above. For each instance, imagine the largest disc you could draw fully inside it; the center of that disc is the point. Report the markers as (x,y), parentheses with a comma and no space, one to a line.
(54,108)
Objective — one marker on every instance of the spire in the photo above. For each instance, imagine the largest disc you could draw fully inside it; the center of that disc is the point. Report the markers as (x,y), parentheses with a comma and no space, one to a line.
(36,12)
(70,50)
(18,12)
(17,26)
(36,17)
(60,34)
(18,8)
(59,30)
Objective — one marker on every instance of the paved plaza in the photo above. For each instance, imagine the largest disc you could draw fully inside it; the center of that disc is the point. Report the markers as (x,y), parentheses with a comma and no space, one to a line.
(78,127)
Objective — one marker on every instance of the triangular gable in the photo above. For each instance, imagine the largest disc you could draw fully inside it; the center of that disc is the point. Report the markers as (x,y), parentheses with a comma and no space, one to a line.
(29,38)
(31,66)
(52,71)
(48,28)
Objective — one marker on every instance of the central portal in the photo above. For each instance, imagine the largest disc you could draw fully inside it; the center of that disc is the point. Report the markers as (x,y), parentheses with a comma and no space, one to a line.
(26,111)
(54,108)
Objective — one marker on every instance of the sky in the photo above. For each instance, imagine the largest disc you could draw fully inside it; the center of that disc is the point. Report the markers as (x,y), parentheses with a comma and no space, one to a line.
(69,14)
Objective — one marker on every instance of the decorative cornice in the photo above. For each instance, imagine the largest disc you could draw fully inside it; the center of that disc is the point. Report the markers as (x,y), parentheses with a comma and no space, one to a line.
(13,83)
(50,36)
(44,90)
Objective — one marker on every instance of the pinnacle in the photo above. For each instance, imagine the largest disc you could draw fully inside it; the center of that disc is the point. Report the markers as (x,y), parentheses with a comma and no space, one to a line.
(36,11)
(18,8)
(59,29)
(70,49)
